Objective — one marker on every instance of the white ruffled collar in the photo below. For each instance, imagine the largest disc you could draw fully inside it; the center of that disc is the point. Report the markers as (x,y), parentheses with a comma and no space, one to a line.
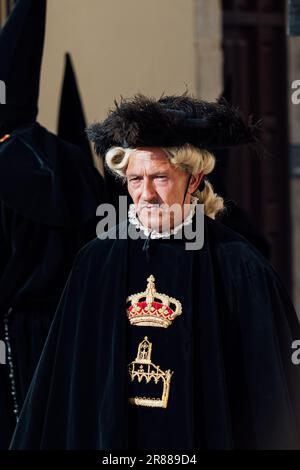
(133,219)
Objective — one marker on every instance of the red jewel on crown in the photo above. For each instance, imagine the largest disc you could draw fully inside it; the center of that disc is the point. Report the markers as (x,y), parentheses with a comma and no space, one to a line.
(150,308)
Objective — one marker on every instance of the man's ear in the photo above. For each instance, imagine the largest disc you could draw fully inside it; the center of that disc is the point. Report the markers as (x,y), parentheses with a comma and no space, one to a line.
(195,181)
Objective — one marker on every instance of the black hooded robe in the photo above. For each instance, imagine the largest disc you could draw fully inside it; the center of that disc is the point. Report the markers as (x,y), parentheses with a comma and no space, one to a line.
(49,192)
(48,199)
(233,384)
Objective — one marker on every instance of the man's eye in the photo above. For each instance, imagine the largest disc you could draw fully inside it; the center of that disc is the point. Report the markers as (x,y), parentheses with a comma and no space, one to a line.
(161,177)
(136,178)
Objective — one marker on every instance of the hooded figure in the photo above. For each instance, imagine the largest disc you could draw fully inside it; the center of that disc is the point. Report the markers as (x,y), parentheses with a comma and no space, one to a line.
(72,130)
(49,192)
(163,339)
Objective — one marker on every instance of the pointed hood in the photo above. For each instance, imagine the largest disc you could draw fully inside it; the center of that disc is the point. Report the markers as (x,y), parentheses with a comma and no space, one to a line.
(42,177)
(21,50)
(71,122)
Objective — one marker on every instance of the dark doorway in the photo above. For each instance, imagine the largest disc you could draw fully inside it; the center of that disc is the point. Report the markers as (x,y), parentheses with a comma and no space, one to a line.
(255,79)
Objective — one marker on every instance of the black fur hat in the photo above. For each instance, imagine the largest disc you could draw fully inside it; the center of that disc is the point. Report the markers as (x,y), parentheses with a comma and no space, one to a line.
(173,121)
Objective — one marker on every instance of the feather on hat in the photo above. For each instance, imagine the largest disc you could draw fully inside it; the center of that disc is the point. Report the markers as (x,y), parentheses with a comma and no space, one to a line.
(173,121)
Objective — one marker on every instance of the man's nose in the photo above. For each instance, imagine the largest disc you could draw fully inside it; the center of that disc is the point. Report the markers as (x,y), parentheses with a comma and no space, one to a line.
(148,191)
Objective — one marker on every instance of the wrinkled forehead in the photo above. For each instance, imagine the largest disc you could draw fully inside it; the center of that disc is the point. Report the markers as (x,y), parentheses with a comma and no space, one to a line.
(152,158)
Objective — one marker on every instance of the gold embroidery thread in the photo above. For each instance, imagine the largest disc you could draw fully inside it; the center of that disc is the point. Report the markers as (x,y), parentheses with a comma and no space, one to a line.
(150,308)
(142,368)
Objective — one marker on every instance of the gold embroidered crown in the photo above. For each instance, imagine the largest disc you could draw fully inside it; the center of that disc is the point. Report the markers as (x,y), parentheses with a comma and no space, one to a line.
(143,369)
(150,308)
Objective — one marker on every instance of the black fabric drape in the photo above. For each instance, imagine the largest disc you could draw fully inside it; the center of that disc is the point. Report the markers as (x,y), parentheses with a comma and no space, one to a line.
(230,351)
(35,262)
(48,199)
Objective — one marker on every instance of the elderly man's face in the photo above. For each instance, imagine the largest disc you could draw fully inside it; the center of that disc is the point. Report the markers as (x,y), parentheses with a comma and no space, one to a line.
(155,184)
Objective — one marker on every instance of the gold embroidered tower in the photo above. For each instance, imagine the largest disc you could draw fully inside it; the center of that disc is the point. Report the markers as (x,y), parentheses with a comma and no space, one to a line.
(143,369)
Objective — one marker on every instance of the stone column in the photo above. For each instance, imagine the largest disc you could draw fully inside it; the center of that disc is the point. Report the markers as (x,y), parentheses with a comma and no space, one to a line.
(208,44)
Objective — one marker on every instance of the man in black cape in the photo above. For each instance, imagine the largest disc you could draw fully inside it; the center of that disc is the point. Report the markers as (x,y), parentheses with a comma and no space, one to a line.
(49,192)
(155,346)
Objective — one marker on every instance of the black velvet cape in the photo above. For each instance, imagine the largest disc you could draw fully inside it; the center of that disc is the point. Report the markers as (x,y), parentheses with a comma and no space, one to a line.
(235,387)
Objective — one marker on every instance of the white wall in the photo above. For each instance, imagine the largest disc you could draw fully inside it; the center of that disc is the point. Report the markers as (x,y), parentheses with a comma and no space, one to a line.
(119,47)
